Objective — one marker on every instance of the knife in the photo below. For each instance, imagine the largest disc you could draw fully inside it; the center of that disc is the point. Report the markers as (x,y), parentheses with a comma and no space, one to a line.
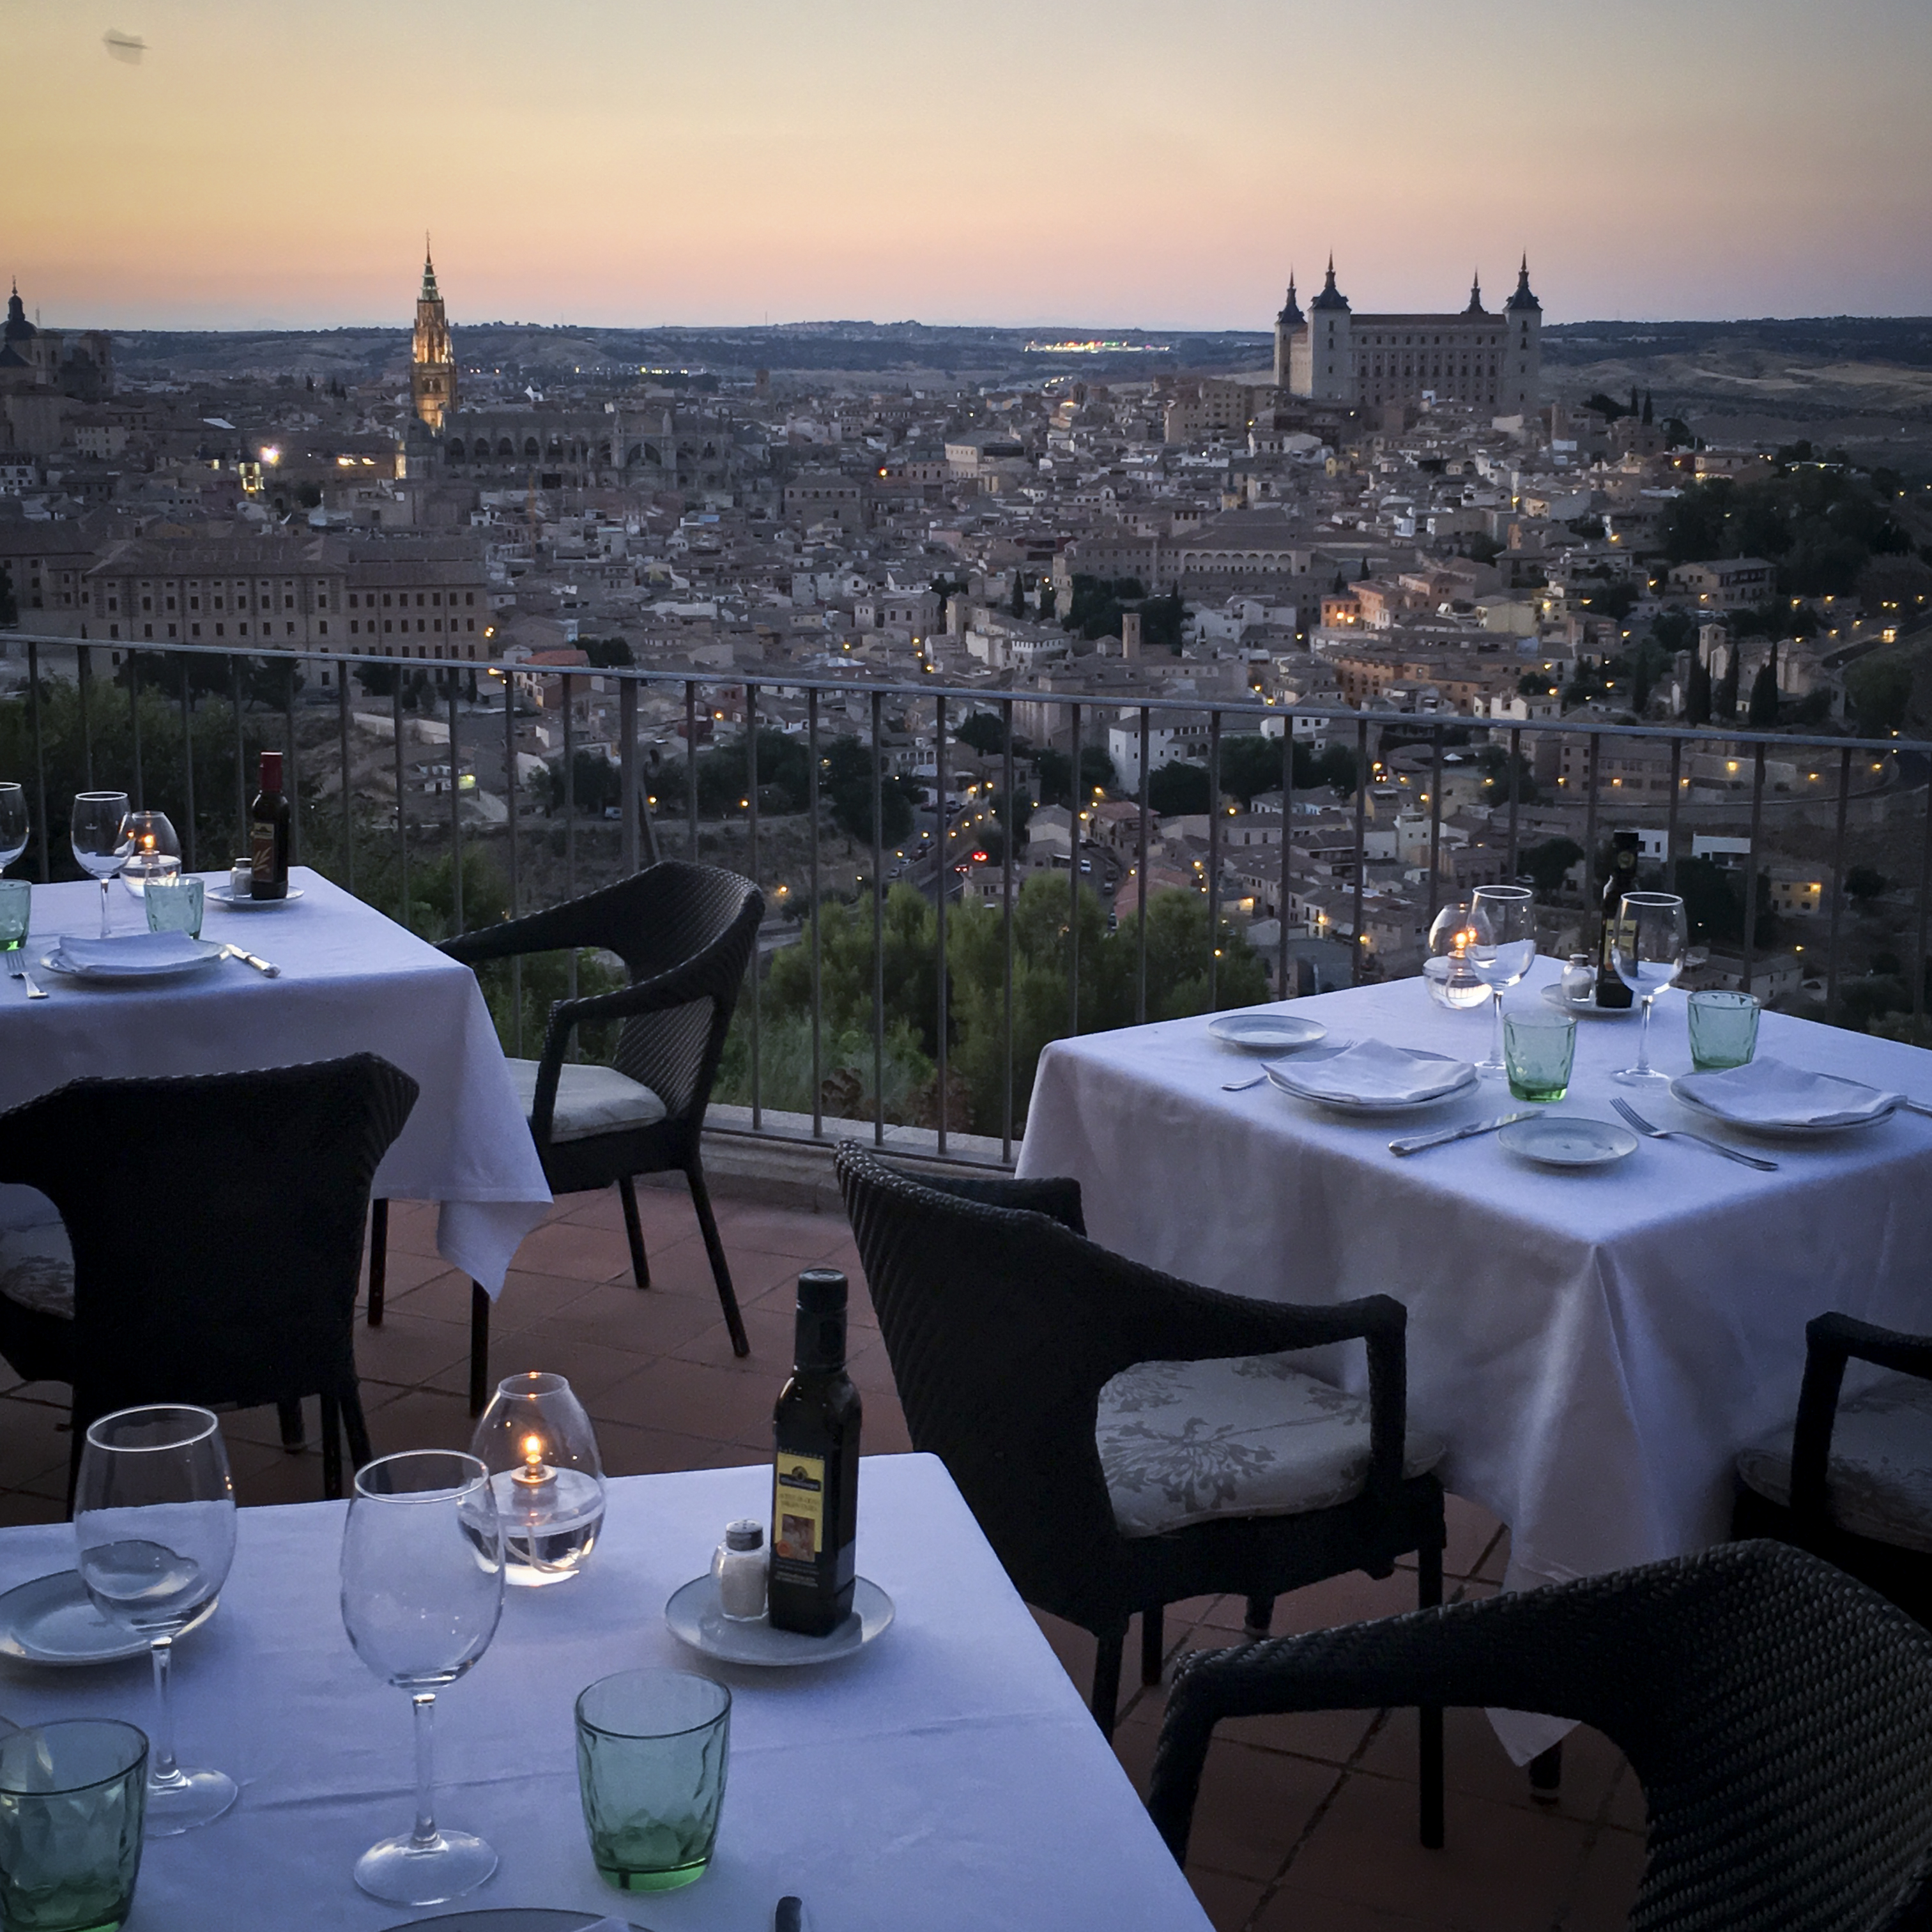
(249,959)
(1419,1141)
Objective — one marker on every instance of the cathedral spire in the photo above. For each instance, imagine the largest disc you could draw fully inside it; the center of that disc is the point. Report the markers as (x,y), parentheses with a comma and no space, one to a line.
(1523,298)
(429,291)
(1475,292)
(1331,297)
(1290,315)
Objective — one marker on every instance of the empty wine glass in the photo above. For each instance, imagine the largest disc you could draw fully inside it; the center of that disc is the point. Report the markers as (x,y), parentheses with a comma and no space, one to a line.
(100,839)
(1503,919)
(13,824)
(153,1514)
(422,1588)
(1648,941)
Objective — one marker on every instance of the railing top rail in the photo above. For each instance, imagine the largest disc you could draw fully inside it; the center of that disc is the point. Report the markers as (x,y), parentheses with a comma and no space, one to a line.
(771,677)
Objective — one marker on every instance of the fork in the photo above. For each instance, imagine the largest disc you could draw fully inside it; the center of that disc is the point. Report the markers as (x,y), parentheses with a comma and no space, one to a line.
(26,978)
(1643,1127)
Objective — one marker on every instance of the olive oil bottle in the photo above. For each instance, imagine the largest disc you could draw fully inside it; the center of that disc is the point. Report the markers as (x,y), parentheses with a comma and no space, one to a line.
(815,1468)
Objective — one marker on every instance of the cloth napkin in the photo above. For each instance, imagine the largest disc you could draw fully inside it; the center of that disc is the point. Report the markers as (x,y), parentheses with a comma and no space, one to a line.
(139,952)
(1370,1073)
(1767,1093)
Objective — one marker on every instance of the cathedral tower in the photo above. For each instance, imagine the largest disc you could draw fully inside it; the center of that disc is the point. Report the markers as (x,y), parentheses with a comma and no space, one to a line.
(1330,346)
(432,359)
(1522,368)
(1288,324)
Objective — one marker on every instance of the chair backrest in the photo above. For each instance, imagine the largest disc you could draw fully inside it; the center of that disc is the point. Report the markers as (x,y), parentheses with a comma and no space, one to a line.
(1778,1713)
(216,1224)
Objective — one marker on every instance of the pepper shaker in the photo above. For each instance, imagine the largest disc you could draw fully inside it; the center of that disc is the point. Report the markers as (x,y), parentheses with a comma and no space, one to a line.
(739,1564)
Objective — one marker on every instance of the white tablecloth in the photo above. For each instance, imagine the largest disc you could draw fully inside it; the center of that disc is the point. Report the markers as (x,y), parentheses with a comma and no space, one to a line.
(1594,1347)
(352,982)
(947,1776)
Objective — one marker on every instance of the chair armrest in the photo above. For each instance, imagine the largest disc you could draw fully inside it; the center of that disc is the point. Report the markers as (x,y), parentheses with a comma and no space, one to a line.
(1054,1196)
(1831,1341)
(552,930)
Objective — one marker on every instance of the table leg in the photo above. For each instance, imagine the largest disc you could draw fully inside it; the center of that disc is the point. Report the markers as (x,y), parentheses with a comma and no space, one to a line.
(479,1349)
(378,1259)
(1546,1775)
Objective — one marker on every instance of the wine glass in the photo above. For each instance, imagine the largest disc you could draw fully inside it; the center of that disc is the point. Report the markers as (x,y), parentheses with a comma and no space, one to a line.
(153,1514)
(13,824)
(1503,919)
(100,839)
(1648,942)
(422,1588)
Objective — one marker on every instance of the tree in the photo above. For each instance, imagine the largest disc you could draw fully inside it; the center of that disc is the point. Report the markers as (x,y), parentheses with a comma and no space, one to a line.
(1763,713)
(607,653)
(1865,883)
(1161,620)
(1697,699)
(1178,787)
(9,611)
(1096,771)
(1641,673)
(378,680)
(985,731)
(1019,603)
(1724,703)
(597,783)
(1880,692)
(310,496)
(1648,414)
(1548,865)
(845,783)
(1672,629)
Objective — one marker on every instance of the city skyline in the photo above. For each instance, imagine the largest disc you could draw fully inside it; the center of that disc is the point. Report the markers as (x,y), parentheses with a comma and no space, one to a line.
(242,168)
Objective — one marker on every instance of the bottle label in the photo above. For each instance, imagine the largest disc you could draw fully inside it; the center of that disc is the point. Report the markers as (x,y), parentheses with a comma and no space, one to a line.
(798,1508)
(262,848)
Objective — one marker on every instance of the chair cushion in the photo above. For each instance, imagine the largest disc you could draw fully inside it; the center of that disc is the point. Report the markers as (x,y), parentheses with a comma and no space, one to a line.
(37,1269)
(1183,1442)
(589,1100)
(1878,1484)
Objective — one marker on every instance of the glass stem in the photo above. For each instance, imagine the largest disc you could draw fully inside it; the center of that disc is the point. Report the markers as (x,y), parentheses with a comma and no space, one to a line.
(103,908)
(162,1768)
(1496,1031)
(423,1837)
(1643,1040)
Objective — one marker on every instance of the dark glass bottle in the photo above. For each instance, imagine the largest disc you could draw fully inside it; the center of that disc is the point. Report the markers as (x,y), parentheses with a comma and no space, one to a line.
(815,1468)
(269,817)
(1611,991)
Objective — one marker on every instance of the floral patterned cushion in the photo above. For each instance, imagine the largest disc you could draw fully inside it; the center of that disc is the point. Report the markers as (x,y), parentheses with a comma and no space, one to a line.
(1181,1442)
(37,1268)
(1880,1482)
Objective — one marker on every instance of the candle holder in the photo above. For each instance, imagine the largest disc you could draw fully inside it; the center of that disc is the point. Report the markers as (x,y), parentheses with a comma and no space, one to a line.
(152,842)
(541,1450)
(1452,979)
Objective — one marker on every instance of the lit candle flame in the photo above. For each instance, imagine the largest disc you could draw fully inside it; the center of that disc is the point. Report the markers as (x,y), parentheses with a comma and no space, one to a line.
(533,1471)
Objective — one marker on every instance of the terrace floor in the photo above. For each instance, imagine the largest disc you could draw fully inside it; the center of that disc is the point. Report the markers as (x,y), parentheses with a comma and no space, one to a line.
(1304,1822)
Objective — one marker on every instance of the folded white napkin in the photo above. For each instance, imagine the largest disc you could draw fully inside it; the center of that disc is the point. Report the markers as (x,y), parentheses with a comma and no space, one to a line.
(1371,1073)
(140,951)
(1767,1093)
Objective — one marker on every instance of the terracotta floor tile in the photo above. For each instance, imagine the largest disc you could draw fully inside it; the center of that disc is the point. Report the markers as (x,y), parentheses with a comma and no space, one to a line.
(806,1238)
(420,1419)
(771,1332)
(629,1450)
(1606,1887)
(1291,1909)
(18,1506)
(1337,1600)
(686,1269)
(1474,1762)
(403,1270)
(572,1248)
(635,1323)
(689,1399)
(33,1438)
(412,1226)
(1228,1902)
(409,1348)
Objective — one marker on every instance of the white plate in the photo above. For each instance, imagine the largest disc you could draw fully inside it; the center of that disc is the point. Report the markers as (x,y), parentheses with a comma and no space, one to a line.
(1780,1130)
(695,1619)
(52,1620)
(229,902)
(124,971)
(1563,1140)
(508,1919)
(1586,1009)
(1283,1078)
(1265,1033)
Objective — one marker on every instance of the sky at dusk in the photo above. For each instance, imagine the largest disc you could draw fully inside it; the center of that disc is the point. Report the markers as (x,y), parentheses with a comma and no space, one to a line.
(1056,161)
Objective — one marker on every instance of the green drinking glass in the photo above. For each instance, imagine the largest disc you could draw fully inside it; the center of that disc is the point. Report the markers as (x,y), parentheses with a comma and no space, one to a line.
(1724,1029)
(16,900)
(1538,1050)
(73,1798)
(174,901)
(651,1752)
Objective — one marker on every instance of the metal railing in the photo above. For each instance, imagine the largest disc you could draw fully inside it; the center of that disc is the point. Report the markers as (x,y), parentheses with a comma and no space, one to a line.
(261,690)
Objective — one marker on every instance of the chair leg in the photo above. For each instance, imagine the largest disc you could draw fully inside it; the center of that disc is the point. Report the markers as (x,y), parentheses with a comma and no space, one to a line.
(640,1266)
(479,1349)
(721,1270)
(1429,1727)
(1107,1681)
(331,1448)
(1546,1774)
(355,1427)
(378,1259)
(1260,1615)
(289,1416)
(1151,1645)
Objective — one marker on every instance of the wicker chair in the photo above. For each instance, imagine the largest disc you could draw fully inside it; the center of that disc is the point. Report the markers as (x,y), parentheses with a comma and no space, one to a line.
(215,1227)
(685,934)
(1011,1337)
(1776,1712)
(1852,1482)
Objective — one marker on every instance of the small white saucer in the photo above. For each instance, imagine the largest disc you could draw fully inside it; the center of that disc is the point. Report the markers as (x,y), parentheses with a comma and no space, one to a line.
(1265,1033)
(52,1620)
(228,902)
(695,1619)
(1586,1009)
(1566,1140)
(511,1919)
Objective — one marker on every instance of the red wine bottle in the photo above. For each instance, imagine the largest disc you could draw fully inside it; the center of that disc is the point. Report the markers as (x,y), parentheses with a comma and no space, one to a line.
(815,1468)
(268,818)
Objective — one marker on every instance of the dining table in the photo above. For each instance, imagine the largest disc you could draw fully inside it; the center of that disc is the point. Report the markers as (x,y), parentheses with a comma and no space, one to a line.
(945,1775)
(349,980)
(1594,1346)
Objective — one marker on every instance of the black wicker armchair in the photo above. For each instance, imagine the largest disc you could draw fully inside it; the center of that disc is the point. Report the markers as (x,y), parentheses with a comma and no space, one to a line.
(686,934)
(1776,1711)
(1011,1337)
(215,1225)
(1851,1481)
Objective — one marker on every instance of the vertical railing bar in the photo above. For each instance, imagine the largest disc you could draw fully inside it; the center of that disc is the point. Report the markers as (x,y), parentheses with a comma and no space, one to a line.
(1287,828)
(83,658)
(945,880)
(751,870)
(629,790)
(1670,819)
(690,760)
(1355,962)
(348,813)
(188,771)
(1213,861)
(1141,860)
(510,787)
(812,901)
(292,787)
(1751,873)
(570,839)
(134,722)
(40,754)
(455,820)
(1009,833)
(1073,875)
(1590,820)
(241,758)
(878,925)
(1838,884)
(1436,829)
(402,816)
(1516,788)
(1924,893)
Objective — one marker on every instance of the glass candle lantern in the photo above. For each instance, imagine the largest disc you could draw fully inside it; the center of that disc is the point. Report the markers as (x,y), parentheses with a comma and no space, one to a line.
(1452,980)
(541,1450)
(151,843)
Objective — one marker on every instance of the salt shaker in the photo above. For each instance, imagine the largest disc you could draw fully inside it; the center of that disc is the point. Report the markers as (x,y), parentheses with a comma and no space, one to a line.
(241,879)
(1579,979)
(739,1564)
